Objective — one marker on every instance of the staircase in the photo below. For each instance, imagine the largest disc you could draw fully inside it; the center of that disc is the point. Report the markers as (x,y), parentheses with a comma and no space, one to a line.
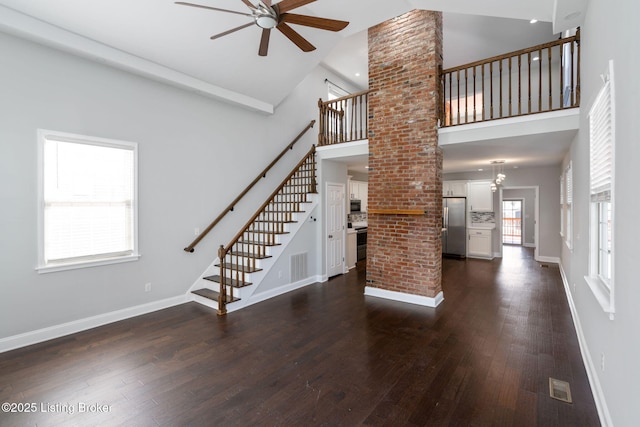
(244,262)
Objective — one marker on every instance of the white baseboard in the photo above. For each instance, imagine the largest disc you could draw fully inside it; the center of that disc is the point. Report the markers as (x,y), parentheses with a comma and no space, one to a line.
(263,296)
(403,297)
(45,334)
(549,259)
(594,381)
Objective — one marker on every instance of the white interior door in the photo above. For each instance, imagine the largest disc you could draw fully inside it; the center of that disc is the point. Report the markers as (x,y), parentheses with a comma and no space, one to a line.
(336,214)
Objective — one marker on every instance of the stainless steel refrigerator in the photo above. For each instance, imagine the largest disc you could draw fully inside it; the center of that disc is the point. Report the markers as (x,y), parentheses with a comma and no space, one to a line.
(454,226)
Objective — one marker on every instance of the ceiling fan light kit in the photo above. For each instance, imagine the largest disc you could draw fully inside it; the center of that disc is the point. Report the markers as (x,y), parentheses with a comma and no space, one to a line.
(268,16)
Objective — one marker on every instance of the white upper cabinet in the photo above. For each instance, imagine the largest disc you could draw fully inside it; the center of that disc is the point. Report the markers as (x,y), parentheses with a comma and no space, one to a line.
(480,196)
(454,189)
(359,190)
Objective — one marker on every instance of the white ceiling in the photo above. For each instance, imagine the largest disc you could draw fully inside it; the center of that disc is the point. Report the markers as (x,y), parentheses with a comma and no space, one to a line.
(171,42)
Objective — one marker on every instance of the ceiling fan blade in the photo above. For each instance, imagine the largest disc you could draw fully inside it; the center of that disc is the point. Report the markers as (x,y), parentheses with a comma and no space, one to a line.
(312,21)
(249,5)
(295,37)
(233,30)
(264,42)
(287,5)
(212,8)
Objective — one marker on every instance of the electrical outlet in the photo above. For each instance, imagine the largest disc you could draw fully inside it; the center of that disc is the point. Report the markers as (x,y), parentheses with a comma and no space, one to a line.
(602,362)
(196,231)
(147,287)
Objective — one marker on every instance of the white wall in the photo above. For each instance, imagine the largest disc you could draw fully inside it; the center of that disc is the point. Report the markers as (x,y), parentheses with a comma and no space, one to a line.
(608,30)
(547,178)
(195,155)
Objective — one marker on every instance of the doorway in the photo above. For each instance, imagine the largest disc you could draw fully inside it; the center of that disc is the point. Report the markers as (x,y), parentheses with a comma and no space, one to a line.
(529,214)
(512,225)
(336,215)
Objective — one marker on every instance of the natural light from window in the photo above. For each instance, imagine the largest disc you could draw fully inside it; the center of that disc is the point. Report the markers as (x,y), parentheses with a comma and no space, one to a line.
(88,198)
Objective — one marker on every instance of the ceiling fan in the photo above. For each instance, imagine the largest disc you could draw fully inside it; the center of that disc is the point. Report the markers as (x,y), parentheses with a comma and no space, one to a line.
(267,16)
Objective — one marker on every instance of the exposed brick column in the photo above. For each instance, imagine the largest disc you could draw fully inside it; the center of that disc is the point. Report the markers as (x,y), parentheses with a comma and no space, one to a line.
(405,162)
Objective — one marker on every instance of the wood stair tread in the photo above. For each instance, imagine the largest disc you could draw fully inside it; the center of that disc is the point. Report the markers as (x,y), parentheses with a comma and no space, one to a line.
(248,255)
(243,268)
(258,243)
(266,232)
(231,282)
(213,295)
(265,221)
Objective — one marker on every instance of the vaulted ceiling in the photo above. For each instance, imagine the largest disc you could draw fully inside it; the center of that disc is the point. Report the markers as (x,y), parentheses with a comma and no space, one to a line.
(171,42)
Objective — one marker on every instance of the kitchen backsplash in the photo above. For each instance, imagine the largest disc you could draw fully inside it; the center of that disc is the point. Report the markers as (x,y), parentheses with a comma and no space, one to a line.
(357,217)
(483,217)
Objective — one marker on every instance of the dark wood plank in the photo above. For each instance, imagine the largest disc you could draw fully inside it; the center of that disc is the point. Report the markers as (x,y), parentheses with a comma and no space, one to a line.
(325,355)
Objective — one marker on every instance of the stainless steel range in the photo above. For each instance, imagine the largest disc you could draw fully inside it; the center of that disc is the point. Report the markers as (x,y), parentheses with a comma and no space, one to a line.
(361,243)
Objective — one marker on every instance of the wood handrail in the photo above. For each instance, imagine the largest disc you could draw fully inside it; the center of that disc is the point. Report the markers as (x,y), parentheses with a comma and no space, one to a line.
(269,199)
(301,180)
(262,174)
(344,98)
(514,53)
(515,84)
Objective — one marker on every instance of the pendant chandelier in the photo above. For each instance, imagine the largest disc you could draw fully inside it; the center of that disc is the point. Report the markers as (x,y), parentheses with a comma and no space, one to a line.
(497,165)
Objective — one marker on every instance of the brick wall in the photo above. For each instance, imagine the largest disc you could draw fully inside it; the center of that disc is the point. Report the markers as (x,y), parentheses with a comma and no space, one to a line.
(405,162)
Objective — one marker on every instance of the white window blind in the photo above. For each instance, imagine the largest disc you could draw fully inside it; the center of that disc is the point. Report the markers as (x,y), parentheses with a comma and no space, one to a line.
(89,190)
(601,136)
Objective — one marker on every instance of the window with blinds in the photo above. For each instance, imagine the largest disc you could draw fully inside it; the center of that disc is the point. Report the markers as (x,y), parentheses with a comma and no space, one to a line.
(601,137)
(88,201)
(601,186)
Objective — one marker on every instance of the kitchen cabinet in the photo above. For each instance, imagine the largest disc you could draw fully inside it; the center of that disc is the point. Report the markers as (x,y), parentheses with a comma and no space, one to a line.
(359,190)
(352,249)
(454,189)
(479,196)
(479,243)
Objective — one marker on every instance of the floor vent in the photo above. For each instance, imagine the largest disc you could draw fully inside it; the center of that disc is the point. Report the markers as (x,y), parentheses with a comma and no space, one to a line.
(560,390)
(298,265)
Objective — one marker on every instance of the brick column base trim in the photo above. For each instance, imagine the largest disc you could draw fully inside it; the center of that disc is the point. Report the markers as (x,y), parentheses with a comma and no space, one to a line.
(402,297)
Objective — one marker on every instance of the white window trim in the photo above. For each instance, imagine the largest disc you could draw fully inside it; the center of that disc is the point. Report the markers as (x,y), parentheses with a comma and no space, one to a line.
(562,226)
(569,206)
(604,294)
(43,134)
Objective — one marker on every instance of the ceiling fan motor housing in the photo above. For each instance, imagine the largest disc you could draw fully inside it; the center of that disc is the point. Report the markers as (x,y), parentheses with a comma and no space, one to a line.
(266,17)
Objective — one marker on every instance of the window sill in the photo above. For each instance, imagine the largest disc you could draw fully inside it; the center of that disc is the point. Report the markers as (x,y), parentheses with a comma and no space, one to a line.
(87,264)
(602,294)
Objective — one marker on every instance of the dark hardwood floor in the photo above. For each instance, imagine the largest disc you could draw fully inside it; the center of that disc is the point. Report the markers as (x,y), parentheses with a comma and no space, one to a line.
(323,355)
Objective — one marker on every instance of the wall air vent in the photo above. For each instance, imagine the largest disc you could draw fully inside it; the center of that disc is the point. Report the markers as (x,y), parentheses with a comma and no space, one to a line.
(298,266)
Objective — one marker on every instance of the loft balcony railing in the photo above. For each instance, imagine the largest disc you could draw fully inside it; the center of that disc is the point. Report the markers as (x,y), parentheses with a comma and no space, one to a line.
(343,119)
(534,80)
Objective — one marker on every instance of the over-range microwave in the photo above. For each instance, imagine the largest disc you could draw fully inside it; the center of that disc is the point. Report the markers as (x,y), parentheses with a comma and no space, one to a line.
(356,205)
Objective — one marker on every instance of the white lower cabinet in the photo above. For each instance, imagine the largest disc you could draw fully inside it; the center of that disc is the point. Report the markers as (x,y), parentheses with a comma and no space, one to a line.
(479,243)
